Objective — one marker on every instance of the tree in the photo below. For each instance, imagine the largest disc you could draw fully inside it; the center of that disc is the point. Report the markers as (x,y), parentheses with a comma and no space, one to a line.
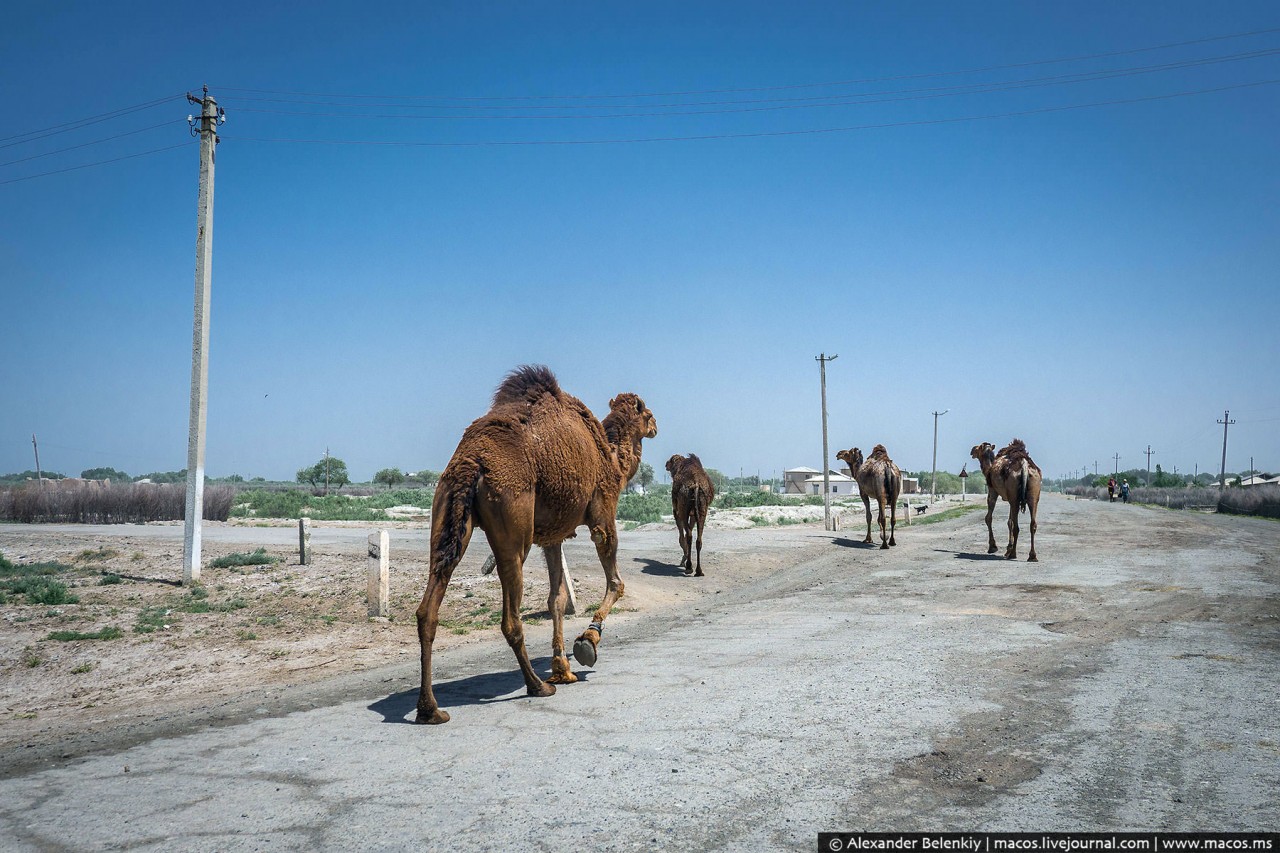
(331,471)
(644,474)
(106,474)
(425,477)
(391,477)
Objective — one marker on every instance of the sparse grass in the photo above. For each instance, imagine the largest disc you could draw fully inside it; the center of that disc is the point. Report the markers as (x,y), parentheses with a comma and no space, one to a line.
(94,555)
(109,578)
(152,619)
(950,513)
(246,635)
(30,659)
(269,620)
(39,589)
(111,633)
(81,669)
(260,557)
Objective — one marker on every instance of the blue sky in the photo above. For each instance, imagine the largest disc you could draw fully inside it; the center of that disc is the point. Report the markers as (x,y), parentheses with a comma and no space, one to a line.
(1093,280)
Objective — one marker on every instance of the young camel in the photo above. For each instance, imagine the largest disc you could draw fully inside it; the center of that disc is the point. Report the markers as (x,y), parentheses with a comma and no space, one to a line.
(528,473)
(691,495)
(1012,475)
(877,477)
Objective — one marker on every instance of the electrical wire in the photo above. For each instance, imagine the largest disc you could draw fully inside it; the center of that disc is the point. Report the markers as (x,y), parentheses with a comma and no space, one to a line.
(833,99)
(758,134)
(182,144)
(776,88)
(67,127)
(973,89)
(169,123)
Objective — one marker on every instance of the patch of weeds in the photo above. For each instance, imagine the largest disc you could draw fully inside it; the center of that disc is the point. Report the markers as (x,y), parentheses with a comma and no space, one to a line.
(259,557)
(111,633)
(152,619)
(90,555)
(42,590)
(630,525)
(269,620)
(231,604)
(109,579)
(30,659)
(138,557)
(81,669)
(276,654)
(329,618)
(24,715)
(246,635)
(948,514)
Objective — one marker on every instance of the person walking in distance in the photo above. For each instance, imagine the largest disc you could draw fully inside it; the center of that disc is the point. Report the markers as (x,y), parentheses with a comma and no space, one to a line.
(1111,490)
(1124,491)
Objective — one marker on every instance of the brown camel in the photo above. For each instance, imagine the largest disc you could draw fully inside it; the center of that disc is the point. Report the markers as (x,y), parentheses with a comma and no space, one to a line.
(1012,475)
(528,473)
(691,495)
(877,477)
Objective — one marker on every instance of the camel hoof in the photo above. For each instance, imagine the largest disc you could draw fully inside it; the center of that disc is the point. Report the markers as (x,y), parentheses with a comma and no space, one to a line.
(992,549)
(688,571)
(1032,559)
(542,689)
(435,718)
(884,546)
(560,672)
(698,573)
(584,652)
(893,543)
(867,541)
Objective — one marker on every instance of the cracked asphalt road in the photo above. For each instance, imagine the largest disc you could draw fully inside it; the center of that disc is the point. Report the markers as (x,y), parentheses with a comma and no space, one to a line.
(1126,681)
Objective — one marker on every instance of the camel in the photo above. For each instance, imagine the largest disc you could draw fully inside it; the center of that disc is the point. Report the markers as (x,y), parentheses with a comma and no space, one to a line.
(1012,475)
(877,477)
(691,495)
(530,472)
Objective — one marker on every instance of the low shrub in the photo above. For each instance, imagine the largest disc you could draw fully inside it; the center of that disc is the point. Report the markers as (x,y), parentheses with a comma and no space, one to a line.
(111,633)
(642,509)
(259,557)
(80,502)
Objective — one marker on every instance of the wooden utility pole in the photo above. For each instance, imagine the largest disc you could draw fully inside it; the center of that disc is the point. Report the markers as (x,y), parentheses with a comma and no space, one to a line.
(39,476)
(210,116)
(822,360)
(1226,422)
(933,481)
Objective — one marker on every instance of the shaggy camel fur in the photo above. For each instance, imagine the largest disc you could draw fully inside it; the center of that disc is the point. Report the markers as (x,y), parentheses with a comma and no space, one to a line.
(528,473)
(691,495)
(877,477)
(1012,475)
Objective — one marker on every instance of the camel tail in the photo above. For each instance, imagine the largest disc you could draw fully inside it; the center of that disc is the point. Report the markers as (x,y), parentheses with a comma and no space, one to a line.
(892,486)
(451,513)
(1024,478)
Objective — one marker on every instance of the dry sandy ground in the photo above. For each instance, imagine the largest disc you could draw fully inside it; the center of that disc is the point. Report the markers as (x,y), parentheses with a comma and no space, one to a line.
(246,628)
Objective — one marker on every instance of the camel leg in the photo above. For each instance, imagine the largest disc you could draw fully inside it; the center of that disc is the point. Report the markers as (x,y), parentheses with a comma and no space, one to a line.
(1011,553)
(605,534)
(866,503)
(702,520)
(884,539)
(991,509)
(1031,558)
(511,575)
(685,524)
(556,600)
(428,620)
(893,521)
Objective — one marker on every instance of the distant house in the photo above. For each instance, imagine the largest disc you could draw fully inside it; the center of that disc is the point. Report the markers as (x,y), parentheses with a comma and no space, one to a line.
(841,486)
(793,480)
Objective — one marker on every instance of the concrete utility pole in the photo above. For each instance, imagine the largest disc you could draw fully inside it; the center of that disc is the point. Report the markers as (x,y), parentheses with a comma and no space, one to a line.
(822,360)
(326,470)
(1226,422)
(210,116)
(1117,458)
(933,481)
(39,476)
(1148,451)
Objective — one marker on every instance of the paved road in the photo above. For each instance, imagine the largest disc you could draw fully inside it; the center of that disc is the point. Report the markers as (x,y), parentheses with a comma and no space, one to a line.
(1125,681)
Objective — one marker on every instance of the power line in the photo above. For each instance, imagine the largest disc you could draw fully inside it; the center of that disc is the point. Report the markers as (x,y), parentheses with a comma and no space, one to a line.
(756,134)
(98,163)
(87,144)
(774,88)
(66,127)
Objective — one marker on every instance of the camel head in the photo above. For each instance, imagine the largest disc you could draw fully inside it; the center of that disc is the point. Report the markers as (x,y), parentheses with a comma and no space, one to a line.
(985,453)
(629,412)
(673,463)
(879,451)
(854,457)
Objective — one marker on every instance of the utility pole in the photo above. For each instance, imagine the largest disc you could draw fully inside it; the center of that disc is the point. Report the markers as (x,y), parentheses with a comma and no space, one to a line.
(1095,467)
(211,116)
(39,476)
(326,470)
(933,480)
(822,360)
(1148,451)
(1117,457)
(1226,422)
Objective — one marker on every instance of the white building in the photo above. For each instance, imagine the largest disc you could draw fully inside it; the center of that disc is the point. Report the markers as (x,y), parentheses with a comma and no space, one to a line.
(841,486)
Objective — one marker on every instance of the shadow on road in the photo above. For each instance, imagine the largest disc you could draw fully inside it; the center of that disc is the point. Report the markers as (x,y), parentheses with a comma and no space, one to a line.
(961,555)
(854,543)
(472,690)
(658,567)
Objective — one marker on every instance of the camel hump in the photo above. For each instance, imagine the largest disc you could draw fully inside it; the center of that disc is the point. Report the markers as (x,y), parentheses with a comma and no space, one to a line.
(526,384)
(693,457)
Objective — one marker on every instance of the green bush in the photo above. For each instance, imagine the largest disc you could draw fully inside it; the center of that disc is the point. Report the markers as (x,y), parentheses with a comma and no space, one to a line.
(259,557)
(642,508)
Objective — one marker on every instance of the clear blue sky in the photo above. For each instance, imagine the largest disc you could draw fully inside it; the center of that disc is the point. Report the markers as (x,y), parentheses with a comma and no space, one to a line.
(1091,280)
